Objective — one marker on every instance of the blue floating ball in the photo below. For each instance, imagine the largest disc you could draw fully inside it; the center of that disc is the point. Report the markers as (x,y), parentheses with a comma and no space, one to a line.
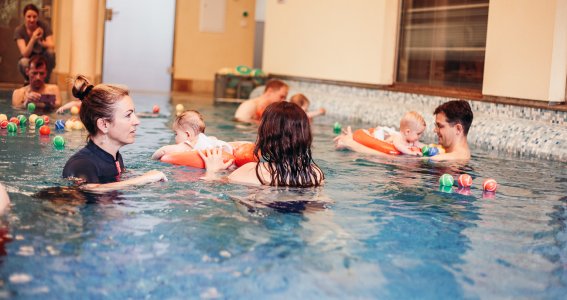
(433,151)
(60,125)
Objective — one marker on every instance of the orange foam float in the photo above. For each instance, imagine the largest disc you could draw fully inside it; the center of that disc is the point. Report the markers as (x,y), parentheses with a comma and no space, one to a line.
(364,137)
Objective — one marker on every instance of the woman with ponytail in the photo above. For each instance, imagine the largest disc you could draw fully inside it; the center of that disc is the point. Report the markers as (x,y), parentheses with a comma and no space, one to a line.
(107,112)
(284,147)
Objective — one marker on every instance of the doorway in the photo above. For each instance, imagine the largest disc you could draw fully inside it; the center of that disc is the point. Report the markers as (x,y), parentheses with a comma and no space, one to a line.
(138,44)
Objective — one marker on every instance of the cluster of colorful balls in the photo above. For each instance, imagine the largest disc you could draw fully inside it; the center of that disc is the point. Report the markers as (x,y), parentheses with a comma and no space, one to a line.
(465,181)
(432,150)
(72,124)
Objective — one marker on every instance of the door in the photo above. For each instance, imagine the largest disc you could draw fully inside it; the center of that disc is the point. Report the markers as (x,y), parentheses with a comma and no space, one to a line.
(138,44)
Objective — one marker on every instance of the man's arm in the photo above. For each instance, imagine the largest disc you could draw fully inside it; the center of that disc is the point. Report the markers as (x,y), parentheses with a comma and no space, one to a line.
(18,98)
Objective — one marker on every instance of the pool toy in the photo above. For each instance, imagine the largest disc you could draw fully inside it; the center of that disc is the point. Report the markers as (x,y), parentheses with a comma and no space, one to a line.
(446,188)
(15,120)
(32,118)
(31,107)
(155,109)
(190,158)
(337,128)
(432,150)
(75,110)
(39,122)
(59,125)
(446,180)
(464,180)
(4,124)
(489,185)
(12,127)
(364,137)
(44,130)
(243,70)
(440,148)
(58,141)
(243,153)
(257,73)
(179,108)
(45,119)
(23,120)
(78,125)
(69,124)
(3,117)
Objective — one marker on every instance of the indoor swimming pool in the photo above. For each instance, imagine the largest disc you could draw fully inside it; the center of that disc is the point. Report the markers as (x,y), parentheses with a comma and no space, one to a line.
(378,228)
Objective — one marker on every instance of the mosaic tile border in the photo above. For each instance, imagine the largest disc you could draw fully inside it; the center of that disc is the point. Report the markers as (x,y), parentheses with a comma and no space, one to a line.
(517,130)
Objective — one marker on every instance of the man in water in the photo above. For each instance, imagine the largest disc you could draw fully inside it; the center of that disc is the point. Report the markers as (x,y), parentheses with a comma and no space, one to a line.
(43,95)
(452,122)
(251,110)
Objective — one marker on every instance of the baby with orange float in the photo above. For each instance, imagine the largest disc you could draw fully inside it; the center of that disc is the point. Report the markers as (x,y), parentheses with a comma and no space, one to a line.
(190,138)
(303,102)
(406,141)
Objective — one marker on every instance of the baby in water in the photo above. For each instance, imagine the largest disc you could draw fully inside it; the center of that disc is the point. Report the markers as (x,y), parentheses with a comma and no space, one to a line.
(189,128)
(412,126)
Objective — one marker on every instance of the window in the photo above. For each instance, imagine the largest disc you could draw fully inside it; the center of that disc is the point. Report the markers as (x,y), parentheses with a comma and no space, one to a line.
(442,43)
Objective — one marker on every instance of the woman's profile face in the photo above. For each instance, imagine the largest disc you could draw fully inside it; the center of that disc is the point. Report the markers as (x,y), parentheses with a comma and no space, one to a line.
(123,126)
(31,19)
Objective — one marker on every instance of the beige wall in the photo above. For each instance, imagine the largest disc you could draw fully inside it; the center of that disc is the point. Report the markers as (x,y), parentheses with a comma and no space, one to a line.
(332,39)
(526,49)
(198,55)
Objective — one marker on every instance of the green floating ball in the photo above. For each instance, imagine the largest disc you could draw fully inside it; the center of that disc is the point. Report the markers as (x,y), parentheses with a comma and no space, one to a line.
(58,141)
(425,150)
(31,107)
(12,127)
(337,128)
(446,189)
(23,120)
(243,70)
(446,180)
(39,122)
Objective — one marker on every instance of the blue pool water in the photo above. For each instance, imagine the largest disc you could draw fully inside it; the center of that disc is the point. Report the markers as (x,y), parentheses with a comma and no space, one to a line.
(379,228)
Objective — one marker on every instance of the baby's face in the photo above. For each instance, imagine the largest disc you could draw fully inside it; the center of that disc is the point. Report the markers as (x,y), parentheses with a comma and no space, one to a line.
(415,133)
(181,135)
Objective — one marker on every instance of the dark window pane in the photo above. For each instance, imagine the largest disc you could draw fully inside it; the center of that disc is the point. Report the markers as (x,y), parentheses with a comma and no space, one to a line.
(442,42)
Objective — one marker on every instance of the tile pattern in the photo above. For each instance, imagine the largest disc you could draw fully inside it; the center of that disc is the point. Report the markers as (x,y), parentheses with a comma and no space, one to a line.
(503,128)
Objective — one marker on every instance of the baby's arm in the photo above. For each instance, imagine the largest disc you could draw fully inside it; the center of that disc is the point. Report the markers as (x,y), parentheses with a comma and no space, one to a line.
(401,145)
(169,149)
(315,113)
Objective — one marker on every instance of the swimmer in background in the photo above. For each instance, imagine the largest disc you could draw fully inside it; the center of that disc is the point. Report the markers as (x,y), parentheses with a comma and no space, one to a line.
(412,126)
(303,102)
(251,110)
(189,128)
(37,91)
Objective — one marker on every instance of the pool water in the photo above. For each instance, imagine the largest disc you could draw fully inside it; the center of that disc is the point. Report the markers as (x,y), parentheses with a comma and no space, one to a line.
(379,228)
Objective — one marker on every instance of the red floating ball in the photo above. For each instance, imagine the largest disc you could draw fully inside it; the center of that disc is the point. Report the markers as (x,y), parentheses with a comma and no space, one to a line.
(155,109)
(15,120)
(44,130)
(489,185)
(465,180)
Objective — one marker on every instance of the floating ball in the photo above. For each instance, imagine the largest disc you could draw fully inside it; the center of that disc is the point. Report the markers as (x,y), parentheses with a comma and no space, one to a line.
(45,119)
(425,150)
(179,107)
(74,110)
(32,118)
(446,180)
(465,180)
(3,117)
(23,120)
(15,120)
(489,185)
(31,107)
(337,128)
(44,130)
(446,188)
(12,127)
(155,109)
(39,122)
(4,124)
(78,125)
(433,151)
(58,141)
(59,125)
(69,125)
(243,70)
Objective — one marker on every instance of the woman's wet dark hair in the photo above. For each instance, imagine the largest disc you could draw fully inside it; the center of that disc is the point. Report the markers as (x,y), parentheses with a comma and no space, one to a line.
(97,102)
(30,7)
(284,143)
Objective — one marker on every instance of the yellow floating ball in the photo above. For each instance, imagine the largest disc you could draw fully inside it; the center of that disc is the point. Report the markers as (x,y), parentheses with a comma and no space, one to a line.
(74,110)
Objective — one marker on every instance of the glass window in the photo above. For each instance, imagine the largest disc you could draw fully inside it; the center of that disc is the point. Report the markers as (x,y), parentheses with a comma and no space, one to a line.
(442,42)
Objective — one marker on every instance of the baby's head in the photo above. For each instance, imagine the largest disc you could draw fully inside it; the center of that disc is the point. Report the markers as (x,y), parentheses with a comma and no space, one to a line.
(188,125)
(412,126)
(301,101)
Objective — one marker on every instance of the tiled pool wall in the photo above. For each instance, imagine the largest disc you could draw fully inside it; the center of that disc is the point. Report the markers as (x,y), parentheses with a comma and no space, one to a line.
(503,128)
